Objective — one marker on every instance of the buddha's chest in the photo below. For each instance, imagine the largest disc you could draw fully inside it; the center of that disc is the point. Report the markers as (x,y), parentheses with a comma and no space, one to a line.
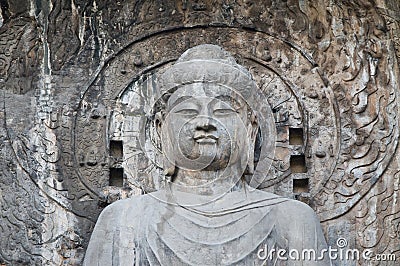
(183,237)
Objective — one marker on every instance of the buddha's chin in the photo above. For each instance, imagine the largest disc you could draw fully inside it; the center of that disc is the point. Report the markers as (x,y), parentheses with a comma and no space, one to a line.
(216,165)
(204,163)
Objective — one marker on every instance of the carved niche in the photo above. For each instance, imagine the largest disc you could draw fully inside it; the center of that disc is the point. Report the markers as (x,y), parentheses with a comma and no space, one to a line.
(77,133)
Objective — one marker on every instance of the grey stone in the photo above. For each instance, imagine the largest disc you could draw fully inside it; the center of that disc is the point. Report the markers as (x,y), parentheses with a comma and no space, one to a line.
(207,214)
(79,80)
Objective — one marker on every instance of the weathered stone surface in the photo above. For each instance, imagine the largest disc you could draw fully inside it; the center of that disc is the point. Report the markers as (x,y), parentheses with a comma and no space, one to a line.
(207,115)
(75,80)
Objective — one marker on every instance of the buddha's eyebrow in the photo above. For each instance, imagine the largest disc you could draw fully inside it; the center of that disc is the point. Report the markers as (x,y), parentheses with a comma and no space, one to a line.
(233,102)
(178,101)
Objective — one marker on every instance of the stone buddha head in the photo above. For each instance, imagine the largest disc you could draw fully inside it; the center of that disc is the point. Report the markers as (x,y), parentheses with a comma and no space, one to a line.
(207,127)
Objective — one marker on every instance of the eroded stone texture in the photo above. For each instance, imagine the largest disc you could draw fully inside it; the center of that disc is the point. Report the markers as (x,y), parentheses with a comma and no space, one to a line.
(76,80)
(207,116)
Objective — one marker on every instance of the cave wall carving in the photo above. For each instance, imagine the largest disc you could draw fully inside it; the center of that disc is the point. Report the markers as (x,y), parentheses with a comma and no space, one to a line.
(77,83)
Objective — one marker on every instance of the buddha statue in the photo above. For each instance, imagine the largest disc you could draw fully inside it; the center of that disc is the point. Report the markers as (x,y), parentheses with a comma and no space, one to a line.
(208,119)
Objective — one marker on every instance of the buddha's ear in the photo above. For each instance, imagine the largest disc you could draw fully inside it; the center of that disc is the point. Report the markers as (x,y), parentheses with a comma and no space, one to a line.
(158,120)
(253,127)
(252,130)
(168,166)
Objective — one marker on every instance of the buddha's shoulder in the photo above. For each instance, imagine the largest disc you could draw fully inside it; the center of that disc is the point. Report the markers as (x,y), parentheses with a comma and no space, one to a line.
(286,208)
(293,214)
(135,204)
(298,208)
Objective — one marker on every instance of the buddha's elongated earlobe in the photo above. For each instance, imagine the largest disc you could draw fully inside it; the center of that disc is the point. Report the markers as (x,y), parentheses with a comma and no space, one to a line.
(252,130)
(168,165)
(169,170)
(250,160)
(158,118)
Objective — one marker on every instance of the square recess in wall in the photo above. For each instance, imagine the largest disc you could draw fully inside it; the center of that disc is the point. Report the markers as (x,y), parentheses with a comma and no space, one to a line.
(298,164)
(116,148)
(116,177)
(301,185)
(295,136)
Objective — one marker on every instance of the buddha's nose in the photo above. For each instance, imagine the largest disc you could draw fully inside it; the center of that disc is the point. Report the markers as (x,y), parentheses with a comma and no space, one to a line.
(205,123)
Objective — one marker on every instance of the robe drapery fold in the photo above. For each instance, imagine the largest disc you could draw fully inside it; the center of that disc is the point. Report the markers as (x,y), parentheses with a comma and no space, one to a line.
(151,230)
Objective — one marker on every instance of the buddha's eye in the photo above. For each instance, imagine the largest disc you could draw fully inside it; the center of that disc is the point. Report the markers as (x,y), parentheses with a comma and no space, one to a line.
(224,111)
(187,112)
(186,108)
(222,108)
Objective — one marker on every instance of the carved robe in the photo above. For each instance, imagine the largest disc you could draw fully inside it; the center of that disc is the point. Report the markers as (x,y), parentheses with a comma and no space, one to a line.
(237,229)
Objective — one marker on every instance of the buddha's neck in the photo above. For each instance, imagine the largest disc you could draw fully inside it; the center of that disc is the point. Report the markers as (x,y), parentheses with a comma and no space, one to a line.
(208,182)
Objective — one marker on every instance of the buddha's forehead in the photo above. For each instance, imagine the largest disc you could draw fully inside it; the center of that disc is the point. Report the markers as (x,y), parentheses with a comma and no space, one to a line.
(204,91)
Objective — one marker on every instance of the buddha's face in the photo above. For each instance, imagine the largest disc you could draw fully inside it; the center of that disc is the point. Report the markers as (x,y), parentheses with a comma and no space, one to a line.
(206,127)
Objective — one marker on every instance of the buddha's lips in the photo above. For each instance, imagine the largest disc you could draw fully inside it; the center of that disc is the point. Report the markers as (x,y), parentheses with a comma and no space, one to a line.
(205,138)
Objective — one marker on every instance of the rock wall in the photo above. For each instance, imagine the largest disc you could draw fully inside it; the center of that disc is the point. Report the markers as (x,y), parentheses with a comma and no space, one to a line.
(77,83)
